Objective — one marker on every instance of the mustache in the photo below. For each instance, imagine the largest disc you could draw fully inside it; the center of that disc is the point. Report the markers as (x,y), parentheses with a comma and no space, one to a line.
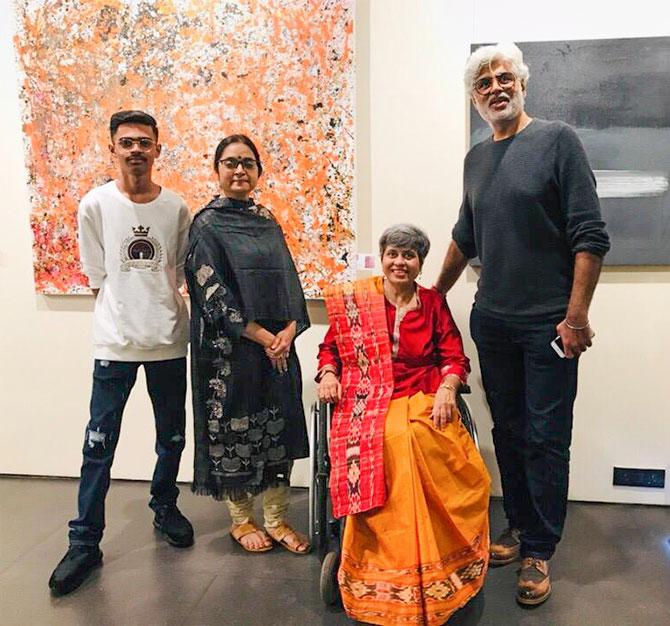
(134,157)
(501,97)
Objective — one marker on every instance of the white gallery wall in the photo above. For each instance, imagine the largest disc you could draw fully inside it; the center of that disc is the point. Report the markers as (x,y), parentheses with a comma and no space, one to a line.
(411,140)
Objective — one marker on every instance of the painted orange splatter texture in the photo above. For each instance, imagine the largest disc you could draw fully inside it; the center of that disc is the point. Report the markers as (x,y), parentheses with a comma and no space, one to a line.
(278,70)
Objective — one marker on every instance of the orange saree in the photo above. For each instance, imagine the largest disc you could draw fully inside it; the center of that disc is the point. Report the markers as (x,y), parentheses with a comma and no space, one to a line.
(424,554)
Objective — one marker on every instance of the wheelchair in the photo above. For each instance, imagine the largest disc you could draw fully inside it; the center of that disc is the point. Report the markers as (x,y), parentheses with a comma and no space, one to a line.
(325,531)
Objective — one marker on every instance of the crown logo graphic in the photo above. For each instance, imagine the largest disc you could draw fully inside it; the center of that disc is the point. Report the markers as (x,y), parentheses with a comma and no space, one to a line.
(140,231)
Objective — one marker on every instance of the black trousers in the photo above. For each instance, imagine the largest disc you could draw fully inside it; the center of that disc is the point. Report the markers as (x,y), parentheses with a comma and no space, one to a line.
(531,392)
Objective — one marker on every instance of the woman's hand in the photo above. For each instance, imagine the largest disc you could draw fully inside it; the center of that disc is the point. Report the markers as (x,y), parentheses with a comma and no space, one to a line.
(445,408)
(282,342)
(280,363)
(329,389)
(255,332)
(278,351)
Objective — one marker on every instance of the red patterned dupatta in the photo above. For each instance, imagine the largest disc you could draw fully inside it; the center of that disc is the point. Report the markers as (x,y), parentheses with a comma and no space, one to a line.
(357,313)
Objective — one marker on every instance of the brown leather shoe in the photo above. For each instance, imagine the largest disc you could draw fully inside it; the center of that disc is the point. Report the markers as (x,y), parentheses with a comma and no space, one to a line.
(534,584)
(505,549)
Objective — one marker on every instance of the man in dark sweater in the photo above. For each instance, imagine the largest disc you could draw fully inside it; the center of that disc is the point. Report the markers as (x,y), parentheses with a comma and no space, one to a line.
(531,214)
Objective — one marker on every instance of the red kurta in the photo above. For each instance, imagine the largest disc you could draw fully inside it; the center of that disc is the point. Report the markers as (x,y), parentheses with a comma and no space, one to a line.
(426,346)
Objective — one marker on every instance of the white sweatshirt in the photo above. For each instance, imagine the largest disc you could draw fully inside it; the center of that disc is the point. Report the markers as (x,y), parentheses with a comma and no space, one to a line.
(134,253)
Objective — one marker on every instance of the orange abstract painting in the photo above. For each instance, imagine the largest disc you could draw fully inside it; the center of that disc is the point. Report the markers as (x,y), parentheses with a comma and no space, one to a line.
(280,71)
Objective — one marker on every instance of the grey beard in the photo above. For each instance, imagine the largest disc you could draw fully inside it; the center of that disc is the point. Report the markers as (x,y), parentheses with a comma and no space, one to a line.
(513,110)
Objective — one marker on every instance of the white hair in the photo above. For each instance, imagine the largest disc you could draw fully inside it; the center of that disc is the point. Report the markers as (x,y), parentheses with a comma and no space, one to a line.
(485,55)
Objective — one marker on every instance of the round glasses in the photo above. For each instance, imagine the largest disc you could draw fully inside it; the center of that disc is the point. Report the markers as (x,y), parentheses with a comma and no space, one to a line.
(484,85)
(232,163)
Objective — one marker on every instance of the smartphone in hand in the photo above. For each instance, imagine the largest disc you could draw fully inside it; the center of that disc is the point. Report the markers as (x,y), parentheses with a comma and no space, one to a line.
(557,345)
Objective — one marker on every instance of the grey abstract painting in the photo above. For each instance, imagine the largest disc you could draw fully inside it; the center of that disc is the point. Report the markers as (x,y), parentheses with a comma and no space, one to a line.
(616,94)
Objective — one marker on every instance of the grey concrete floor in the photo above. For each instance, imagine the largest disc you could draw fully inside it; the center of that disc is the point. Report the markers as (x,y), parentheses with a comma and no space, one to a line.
(612,568)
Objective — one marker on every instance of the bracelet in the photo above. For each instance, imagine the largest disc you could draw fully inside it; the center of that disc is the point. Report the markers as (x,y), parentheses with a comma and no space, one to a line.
(571,327)
(324,370)
(446,386)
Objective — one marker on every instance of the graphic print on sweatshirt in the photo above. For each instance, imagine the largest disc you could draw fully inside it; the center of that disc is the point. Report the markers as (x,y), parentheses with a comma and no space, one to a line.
(141,251)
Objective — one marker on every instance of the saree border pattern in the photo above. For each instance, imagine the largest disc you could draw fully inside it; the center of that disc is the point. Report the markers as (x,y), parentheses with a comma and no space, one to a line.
(425,596)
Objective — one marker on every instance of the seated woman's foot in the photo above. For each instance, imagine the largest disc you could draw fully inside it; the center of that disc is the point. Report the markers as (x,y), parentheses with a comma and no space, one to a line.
(251,537)
(288,538)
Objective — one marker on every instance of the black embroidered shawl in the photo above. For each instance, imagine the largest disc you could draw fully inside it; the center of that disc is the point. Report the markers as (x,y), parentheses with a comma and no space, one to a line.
(249,420)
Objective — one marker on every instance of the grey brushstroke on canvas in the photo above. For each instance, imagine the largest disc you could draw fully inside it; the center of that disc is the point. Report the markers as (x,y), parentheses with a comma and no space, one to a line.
(630,184)
(616,94)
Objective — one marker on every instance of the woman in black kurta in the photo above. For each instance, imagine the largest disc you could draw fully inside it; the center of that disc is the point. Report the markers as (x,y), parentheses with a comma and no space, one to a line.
(247,306)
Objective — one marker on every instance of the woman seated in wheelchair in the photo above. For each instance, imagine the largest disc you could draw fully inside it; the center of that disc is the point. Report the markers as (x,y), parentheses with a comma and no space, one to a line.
(405,471)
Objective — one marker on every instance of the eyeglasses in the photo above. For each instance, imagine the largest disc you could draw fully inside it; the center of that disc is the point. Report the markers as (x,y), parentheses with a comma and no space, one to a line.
(232,163)
(485,84)
(143,143)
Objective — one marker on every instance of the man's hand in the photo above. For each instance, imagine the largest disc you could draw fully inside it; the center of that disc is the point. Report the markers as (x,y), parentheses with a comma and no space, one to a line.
(445,408)
(329,389)
(586,272)
(574,341)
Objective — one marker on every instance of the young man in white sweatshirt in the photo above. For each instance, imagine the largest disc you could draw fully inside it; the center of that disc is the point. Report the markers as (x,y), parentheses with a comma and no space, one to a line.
(133,236)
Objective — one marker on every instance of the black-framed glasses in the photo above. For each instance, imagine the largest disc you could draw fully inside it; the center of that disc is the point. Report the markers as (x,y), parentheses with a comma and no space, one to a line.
(143,143)
(484,84)
(232,163)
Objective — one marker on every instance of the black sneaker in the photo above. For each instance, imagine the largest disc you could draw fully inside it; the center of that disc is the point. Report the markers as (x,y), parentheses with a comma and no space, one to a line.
(74,568)
(173,525)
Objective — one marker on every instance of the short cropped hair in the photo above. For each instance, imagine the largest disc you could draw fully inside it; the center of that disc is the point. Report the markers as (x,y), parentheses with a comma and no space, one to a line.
(132,117)
(405,236)
(239,138)
(485,55)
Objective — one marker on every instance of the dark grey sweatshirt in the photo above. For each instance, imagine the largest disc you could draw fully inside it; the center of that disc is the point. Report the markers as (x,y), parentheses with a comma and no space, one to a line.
(529,205)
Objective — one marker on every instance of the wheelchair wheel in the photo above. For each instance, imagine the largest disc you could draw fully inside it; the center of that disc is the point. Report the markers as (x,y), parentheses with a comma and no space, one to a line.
(328,586)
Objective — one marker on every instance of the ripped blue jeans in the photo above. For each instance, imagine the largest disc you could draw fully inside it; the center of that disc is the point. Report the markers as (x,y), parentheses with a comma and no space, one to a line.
(112,383)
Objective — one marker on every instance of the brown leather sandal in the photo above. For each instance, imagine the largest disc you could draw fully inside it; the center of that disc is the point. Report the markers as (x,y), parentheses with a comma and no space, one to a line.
(237,532)
(281,532)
